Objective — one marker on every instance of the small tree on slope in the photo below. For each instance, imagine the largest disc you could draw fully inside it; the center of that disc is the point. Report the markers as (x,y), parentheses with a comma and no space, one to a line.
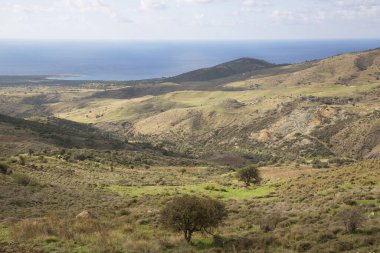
(190,214)
(249,174)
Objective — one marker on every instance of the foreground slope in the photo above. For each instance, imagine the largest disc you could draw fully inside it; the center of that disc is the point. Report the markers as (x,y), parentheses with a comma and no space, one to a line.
(40,214)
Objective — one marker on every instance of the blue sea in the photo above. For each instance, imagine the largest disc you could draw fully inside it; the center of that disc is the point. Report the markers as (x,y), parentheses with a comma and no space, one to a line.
(105,60)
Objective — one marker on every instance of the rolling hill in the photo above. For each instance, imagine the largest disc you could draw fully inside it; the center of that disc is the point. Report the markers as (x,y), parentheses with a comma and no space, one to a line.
(327,107)
(239,66)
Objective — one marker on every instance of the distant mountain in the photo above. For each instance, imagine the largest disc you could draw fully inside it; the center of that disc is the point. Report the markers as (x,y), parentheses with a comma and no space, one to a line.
(239,66)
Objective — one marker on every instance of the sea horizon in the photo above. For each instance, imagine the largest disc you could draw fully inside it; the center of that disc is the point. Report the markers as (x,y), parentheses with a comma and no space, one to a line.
(137,60)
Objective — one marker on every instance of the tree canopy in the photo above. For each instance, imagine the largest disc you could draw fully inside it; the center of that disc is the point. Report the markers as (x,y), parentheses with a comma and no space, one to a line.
(190,214)
(249,174)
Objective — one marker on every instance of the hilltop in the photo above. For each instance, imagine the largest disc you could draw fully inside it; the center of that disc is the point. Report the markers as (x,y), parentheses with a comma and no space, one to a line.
(239,66)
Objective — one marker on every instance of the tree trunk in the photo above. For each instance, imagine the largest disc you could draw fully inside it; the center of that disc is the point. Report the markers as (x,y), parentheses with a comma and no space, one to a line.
(187,235)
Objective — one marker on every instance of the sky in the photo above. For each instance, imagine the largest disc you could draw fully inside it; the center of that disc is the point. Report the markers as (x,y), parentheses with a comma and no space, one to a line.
(189,19)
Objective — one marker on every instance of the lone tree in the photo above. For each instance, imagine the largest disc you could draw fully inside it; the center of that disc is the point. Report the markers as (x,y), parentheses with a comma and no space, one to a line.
(352,218)
(191,214)
(249,174)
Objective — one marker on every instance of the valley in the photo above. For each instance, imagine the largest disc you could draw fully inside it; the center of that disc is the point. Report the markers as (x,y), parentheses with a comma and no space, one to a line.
(118,152)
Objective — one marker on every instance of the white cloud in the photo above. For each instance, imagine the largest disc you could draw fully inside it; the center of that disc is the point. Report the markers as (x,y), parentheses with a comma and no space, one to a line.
(20,9)
(88,6)
(330,11)
(360,10)
(198,19)
(160,4)
(191,18)
(197,1)
(153,4)
(254,5)
(289,16)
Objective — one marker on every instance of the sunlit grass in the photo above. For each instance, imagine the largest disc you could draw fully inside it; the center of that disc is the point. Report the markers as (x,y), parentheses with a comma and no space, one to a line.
(212,190)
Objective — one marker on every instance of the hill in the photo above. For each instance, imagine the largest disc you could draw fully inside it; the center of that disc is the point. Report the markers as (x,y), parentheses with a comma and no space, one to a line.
(239,66)
(73,141)
(320,108)
(317,108)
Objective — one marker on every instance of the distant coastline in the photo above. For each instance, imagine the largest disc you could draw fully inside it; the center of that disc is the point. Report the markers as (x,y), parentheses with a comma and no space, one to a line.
(64,77)
(119,61)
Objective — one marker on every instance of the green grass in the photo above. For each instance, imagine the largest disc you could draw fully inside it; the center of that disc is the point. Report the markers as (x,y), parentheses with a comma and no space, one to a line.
(212,190)
(346,186)
(5,235)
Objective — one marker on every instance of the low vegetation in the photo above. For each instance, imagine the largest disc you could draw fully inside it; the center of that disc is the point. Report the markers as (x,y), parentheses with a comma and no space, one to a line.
(139,210)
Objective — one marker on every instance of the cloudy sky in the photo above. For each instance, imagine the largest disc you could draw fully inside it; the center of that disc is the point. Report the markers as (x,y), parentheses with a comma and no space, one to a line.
(189,19)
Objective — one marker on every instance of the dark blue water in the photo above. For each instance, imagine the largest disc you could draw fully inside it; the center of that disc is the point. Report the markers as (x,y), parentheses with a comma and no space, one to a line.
(140,60)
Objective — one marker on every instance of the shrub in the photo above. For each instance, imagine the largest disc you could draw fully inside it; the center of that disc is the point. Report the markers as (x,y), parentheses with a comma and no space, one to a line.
(190,214)
(352,218)
(22,160)
(42,159)
(249,174)
(4,168)
(303,246)
(269,222)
